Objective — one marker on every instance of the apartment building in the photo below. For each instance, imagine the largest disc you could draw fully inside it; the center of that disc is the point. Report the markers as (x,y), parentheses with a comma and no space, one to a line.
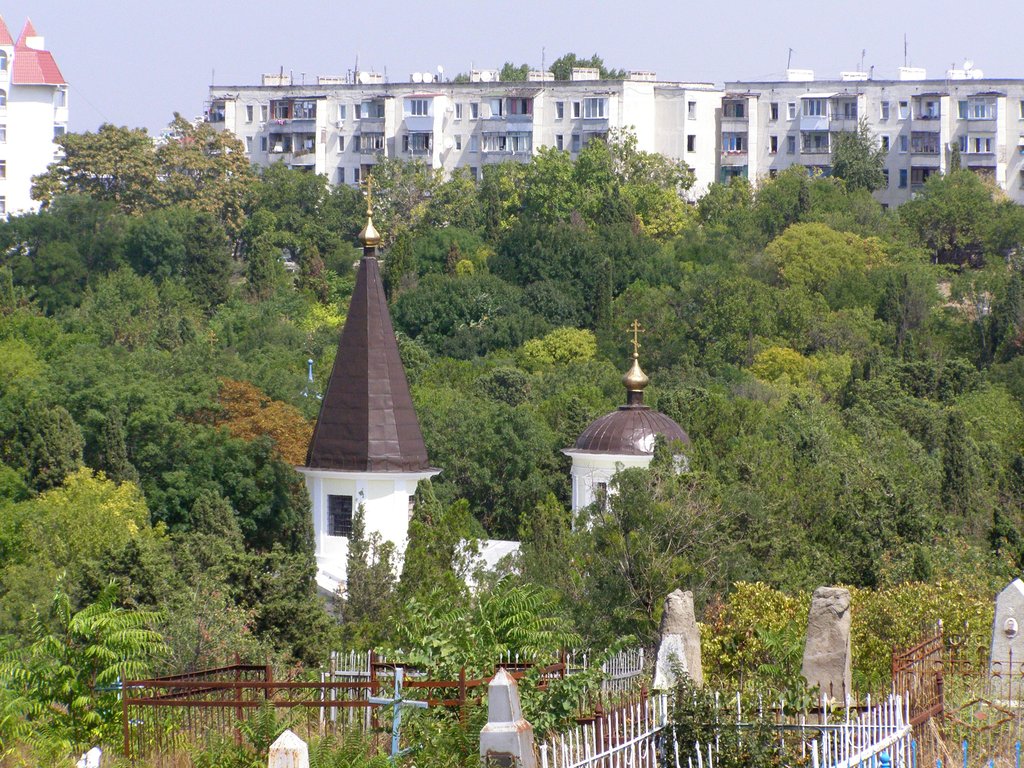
(340,127)
(33,112)
(919,123)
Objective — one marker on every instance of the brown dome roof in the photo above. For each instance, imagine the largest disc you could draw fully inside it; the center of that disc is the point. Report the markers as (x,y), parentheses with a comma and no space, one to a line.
(629,430)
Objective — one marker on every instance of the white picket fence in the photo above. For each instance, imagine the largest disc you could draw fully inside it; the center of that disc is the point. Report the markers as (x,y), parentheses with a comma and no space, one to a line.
(639,736)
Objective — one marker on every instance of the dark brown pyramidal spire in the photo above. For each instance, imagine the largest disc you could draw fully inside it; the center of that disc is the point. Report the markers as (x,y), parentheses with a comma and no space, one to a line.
(367,422)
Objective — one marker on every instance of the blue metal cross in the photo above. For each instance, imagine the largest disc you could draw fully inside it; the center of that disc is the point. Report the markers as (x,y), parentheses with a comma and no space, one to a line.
(397,702)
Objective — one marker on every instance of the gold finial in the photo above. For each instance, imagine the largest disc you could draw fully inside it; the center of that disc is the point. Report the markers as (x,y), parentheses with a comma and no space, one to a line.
(369,236)
(635,379)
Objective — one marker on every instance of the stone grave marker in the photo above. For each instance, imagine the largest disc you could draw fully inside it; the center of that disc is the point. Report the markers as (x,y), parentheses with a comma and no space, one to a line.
(1007,650)
(507,739)
(679,646)
(826,661)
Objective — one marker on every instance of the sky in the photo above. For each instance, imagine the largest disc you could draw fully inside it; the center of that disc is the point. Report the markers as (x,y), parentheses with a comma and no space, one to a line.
(137,62)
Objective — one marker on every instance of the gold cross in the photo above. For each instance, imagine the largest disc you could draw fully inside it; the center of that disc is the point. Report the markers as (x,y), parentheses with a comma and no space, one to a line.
(636,329)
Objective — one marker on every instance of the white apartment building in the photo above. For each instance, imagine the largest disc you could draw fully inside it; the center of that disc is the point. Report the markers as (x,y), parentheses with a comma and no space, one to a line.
(768,126)
(340,129)
(33,111)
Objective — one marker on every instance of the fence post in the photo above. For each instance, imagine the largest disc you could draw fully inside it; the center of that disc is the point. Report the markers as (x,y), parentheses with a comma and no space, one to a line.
(126,730)
(462,697)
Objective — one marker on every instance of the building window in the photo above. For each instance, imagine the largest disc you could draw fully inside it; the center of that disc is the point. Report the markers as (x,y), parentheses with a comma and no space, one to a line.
(474,144)
(735,109)
(474,110)
(774,110)
(595,108)
(691,110)
(474,172)
(575,109)
(963,143)
(3,205)
(691,142)
(903,144)
(884,114)
(341,143)
(815,107)
(341,175)
(417,107)
(559,141)
(885,143)
(342,112)
(355,175)
(458,142)
(263,143)
(3,98)
(773,144)
(3,169)
(791,110)
(250,112)
(3,61)
(520,142)
(559,110)
(458,111)
(3,132)
(248,144)
(734,142)
(903,178)
(264,112)
(416,143)
(58,131)
(791,145)
(495,142)
(904,110)
(885,175)
(339,514)
(1020,183)
(61,98)
(497,109)
(520,106)
(575,142)
(359,111)
(981,145)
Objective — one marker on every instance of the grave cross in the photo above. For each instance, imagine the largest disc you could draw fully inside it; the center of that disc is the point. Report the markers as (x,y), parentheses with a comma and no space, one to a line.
(397,702)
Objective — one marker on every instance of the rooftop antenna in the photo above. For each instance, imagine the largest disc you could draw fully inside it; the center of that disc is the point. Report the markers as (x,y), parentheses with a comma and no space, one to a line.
(904,49)
(863,53)
(543,58)
(789,59)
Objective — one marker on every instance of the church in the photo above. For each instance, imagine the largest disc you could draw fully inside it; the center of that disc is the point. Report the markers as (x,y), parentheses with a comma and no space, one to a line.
(367,448)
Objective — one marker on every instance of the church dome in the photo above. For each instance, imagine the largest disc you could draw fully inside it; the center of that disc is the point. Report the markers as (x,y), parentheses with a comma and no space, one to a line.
(631,429)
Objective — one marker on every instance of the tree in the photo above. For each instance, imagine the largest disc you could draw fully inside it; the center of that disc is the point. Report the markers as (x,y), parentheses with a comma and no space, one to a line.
(510,73)
(67,677)
(858,159)
(116,164)
(952,216)
(206,170)
(369,593)
(563,66)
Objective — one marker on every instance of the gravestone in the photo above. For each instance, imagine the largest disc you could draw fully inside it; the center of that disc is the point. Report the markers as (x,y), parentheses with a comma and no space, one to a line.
(1007,651)
(507,739)
(679,646)
(827,650)
(288,751)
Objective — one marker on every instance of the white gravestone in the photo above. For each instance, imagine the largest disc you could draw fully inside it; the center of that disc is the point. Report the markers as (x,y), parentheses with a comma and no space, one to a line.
(1006,660)
(827,650)
(288,751)
(507,739)
(679,647)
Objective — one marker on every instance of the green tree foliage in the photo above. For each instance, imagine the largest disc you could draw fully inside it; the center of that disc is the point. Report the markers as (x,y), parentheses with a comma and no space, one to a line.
(858,158)
(510,73)
(65,679)
(952,216)
(563,66)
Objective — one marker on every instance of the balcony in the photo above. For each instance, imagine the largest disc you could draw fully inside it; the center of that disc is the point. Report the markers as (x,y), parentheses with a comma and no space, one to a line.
(735,157)
(814,123)
(979,159)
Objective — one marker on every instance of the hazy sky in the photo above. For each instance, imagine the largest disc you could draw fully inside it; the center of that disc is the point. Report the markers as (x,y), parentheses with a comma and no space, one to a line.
(136,62)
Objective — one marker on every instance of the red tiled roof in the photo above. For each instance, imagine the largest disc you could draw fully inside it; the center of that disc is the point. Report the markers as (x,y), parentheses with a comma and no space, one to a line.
(29,30)
(5,34)
(32,67)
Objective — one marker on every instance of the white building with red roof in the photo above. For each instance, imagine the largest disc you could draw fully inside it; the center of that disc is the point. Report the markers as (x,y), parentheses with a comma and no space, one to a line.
(33,112)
